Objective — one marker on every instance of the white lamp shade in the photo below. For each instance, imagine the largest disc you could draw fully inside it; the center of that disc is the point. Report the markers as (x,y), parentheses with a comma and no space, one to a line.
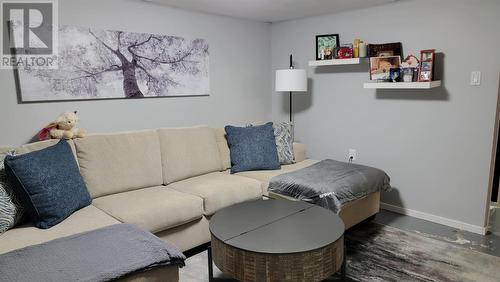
(294,80)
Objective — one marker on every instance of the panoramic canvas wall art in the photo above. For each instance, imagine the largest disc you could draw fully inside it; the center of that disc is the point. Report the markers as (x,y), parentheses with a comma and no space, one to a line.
(97,64)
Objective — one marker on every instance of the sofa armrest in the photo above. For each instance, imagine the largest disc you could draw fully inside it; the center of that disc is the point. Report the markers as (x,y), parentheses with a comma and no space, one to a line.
(299,151)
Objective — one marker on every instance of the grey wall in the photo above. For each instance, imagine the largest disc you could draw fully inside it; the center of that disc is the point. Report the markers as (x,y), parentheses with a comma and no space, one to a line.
(240,73)
(435,144)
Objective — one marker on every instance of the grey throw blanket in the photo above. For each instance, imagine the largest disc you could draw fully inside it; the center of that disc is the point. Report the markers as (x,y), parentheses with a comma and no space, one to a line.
(330,183)
(100,255)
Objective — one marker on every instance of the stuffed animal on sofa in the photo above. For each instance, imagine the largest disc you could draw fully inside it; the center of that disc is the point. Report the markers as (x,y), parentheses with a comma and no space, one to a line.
(62,128)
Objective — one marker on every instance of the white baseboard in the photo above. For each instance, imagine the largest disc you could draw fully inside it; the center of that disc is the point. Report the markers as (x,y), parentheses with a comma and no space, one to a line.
(436,219)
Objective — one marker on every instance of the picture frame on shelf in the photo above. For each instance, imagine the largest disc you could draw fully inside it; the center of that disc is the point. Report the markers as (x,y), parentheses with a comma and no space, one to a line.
(395,74)
(326,46)
(410,61)
(408,74)
(380,67)
(426,68)
(409,68)
(385,50)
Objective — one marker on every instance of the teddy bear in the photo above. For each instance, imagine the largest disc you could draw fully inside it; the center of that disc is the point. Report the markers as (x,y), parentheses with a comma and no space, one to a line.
(62,128)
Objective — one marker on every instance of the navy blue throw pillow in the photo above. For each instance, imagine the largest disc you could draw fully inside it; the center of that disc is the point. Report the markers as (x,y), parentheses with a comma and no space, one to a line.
(252,148)
(48,183)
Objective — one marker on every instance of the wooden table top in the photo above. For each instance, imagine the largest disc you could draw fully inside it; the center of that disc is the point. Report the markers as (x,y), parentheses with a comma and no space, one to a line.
(276,226)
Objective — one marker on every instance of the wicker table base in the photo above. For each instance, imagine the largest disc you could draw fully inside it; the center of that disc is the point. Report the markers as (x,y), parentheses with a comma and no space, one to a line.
(277,240)
(315,265)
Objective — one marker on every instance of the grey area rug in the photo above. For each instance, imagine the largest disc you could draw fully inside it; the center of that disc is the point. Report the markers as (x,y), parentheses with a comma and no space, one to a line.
(382,253)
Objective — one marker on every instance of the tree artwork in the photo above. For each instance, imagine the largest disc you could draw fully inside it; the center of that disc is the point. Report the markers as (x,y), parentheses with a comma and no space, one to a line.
(97,64)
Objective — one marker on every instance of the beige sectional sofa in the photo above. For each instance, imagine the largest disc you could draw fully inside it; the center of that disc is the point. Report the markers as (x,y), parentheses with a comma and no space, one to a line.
(167,181)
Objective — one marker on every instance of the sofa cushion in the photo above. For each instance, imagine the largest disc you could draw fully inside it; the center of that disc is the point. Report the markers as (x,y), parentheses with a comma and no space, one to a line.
(114,163)
(252,147)
(27,148)
(264,176)
(219,190)
(86,219)
(11,210)
(284,141)
(154,209)
(188,152)
(48,184)
(220,136)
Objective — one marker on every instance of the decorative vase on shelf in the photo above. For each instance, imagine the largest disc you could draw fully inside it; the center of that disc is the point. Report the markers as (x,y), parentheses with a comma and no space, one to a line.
(362,49)
(355,48)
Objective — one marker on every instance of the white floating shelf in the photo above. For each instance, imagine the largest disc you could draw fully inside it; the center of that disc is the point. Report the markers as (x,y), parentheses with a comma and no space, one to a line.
(335,62)
(402,85)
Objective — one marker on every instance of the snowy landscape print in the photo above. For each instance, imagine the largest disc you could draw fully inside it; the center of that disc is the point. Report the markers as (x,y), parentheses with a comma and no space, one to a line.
(96,64)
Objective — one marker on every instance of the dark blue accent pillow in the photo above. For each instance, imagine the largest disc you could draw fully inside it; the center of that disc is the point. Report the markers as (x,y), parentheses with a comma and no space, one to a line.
(48,183)
(252,148)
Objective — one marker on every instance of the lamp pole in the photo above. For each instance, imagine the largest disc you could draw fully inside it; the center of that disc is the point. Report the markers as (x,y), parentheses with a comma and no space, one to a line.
(291,67)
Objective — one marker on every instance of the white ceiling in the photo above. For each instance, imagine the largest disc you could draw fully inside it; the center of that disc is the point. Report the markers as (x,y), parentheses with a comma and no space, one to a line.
(271,10)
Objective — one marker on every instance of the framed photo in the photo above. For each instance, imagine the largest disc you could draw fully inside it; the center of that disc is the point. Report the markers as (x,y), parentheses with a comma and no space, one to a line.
(385,50)
(380,67)
(410,62)
(326,46)
(409,74)
(425,76)
(395,74)
(426,69)
(426,66)
(428,55)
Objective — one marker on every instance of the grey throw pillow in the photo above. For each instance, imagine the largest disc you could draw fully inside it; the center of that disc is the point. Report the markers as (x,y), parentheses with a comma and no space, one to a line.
(284,142)
(11,211)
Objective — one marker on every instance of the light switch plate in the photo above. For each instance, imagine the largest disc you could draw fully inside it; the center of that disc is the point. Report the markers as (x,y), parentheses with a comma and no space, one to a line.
(475,78)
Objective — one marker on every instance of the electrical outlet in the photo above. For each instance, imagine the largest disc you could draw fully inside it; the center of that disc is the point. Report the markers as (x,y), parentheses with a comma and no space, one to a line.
(352,155)
(475,78)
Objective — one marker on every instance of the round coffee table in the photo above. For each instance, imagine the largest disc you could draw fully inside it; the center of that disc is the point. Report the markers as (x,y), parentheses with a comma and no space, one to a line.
(277,240)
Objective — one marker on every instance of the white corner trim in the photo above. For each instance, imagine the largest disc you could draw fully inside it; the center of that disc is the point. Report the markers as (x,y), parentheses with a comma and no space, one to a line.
(436,219)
